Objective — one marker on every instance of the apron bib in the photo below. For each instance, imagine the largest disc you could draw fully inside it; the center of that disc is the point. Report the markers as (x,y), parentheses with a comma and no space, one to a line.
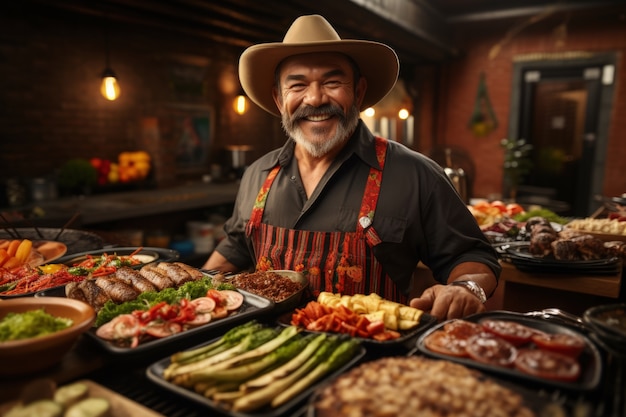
(337,262)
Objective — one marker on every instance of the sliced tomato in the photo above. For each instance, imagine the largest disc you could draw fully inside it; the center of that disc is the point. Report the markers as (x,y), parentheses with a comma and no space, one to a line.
(375,327)
(219,312)
(199,319)
(491,350)
(232,299)
(162,329)
(442,342)
(565,343)
(203,304)
(548,365)
(462,329)
(511,331)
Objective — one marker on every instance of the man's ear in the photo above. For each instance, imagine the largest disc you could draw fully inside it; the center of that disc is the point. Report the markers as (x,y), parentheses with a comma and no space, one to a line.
(278,99)
(361,88)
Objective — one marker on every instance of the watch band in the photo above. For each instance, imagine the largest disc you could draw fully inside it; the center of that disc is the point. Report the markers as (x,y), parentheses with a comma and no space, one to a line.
(474,288)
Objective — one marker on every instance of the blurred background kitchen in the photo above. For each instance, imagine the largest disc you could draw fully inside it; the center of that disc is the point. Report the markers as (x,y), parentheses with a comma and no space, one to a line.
(521,100)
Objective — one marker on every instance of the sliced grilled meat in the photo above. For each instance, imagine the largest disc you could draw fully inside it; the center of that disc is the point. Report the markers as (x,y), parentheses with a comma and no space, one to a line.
(590,247)
(175,273)
(564,250)
(74,291)
(135,279)
(95,296)
(541,243)
(195,273)
(156,276)
(118,290)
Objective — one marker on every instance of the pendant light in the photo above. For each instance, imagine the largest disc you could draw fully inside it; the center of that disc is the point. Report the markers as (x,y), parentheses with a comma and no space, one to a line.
(109,88)
(240,104)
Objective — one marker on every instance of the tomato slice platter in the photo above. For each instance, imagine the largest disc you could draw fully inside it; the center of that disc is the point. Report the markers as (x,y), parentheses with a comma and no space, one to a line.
(505,343)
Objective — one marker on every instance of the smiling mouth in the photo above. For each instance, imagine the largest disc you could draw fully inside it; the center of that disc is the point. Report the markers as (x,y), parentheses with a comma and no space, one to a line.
(319,118)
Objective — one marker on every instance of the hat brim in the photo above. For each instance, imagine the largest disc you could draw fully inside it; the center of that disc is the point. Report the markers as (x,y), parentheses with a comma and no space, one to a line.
(377,62)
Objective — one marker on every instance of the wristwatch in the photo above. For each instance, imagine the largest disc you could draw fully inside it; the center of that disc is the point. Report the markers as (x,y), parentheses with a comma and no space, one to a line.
(474,288)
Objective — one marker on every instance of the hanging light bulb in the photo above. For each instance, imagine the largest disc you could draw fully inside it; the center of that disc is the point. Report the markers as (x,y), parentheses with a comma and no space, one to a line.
(240,104)
(110,88)
(403,114)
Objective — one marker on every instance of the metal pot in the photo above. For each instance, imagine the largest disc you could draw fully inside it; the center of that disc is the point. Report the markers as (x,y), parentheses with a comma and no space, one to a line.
(457,176)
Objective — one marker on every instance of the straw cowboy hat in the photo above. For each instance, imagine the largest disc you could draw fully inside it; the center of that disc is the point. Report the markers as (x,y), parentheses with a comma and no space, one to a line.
(377,62)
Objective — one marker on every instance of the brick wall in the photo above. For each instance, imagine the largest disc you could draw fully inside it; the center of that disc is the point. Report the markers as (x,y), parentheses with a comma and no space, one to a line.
(601,33)
(52,110)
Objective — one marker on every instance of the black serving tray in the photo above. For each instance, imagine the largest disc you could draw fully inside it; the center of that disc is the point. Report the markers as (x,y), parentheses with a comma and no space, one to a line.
(590,359)
(252,307)
(519,256)
(155,371)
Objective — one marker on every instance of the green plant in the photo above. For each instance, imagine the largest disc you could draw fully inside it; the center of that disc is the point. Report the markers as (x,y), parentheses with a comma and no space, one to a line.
(517,162)
(76,174)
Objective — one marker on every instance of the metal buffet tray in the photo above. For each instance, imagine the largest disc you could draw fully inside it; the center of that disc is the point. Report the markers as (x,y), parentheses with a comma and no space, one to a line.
(590,359)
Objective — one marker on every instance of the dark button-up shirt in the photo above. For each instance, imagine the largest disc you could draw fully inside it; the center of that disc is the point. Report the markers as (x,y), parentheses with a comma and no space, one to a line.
(419,216)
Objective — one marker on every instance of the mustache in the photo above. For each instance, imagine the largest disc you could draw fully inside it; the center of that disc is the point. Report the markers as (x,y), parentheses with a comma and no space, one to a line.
(306,111)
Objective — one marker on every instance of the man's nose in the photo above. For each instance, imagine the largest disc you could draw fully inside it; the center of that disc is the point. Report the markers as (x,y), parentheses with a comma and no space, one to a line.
(315,95)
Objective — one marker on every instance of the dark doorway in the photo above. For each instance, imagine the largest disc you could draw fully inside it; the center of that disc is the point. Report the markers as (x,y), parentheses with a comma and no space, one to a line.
(559,107)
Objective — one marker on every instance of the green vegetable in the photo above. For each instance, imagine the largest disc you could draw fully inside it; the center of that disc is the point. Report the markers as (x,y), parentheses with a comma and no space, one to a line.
(230,338)
(339,357)
(34,323)
(313,342)
(188,375)
(545,213)
(248,370)
(264,396)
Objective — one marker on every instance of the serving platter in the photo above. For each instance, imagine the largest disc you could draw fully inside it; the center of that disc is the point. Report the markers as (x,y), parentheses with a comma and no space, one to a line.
(520,256)
(590,359)
(48,249)
(145,255)
(76,241)
(155,374)
(252,307)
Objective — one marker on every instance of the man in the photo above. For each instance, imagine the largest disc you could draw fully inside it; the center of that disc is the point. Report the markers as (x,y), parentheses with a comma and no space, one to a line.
(354,212)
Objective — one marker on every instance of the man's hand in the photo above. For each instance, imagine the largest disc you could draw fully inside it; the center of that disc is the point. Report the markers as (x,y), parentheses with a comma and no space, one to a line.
(448,302)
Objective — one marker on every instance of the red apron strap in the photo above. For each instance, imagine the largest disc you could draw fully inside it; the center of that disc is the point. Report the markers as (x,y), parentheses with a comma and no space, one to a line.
(259,204)
(370,196)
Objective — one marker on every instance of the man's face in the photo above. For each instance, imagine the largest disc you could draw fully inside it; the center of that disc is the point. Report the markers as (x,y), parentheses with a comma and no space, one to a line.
(319,100)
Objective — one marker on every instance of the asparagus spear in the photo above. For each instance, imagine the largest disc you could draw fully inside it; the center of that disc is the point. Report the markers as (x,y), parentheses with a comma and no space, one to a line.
(206,372)
(182,373)
(261,397)
(248,370)
(339,357)
(229,339)
(313,342)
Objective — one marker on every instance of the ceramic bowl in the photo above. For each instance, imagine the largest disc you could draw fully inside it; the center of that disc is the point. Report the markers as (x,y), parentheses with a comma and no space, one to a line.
(27,356)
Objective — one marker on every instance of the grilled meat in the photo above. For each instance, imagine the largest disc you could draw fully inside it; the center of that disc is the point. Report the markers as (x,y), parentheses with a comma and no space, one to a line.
(135,279)
(589,247)
(95,296)
(118,290)
(156,276)
(175,273)
(195,273)
(541,243)
(564,249)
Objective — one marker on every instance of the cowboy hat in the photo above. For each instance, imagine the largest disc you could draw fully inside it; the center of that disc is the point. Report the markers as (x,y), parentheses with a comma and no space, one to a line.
(377,62)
